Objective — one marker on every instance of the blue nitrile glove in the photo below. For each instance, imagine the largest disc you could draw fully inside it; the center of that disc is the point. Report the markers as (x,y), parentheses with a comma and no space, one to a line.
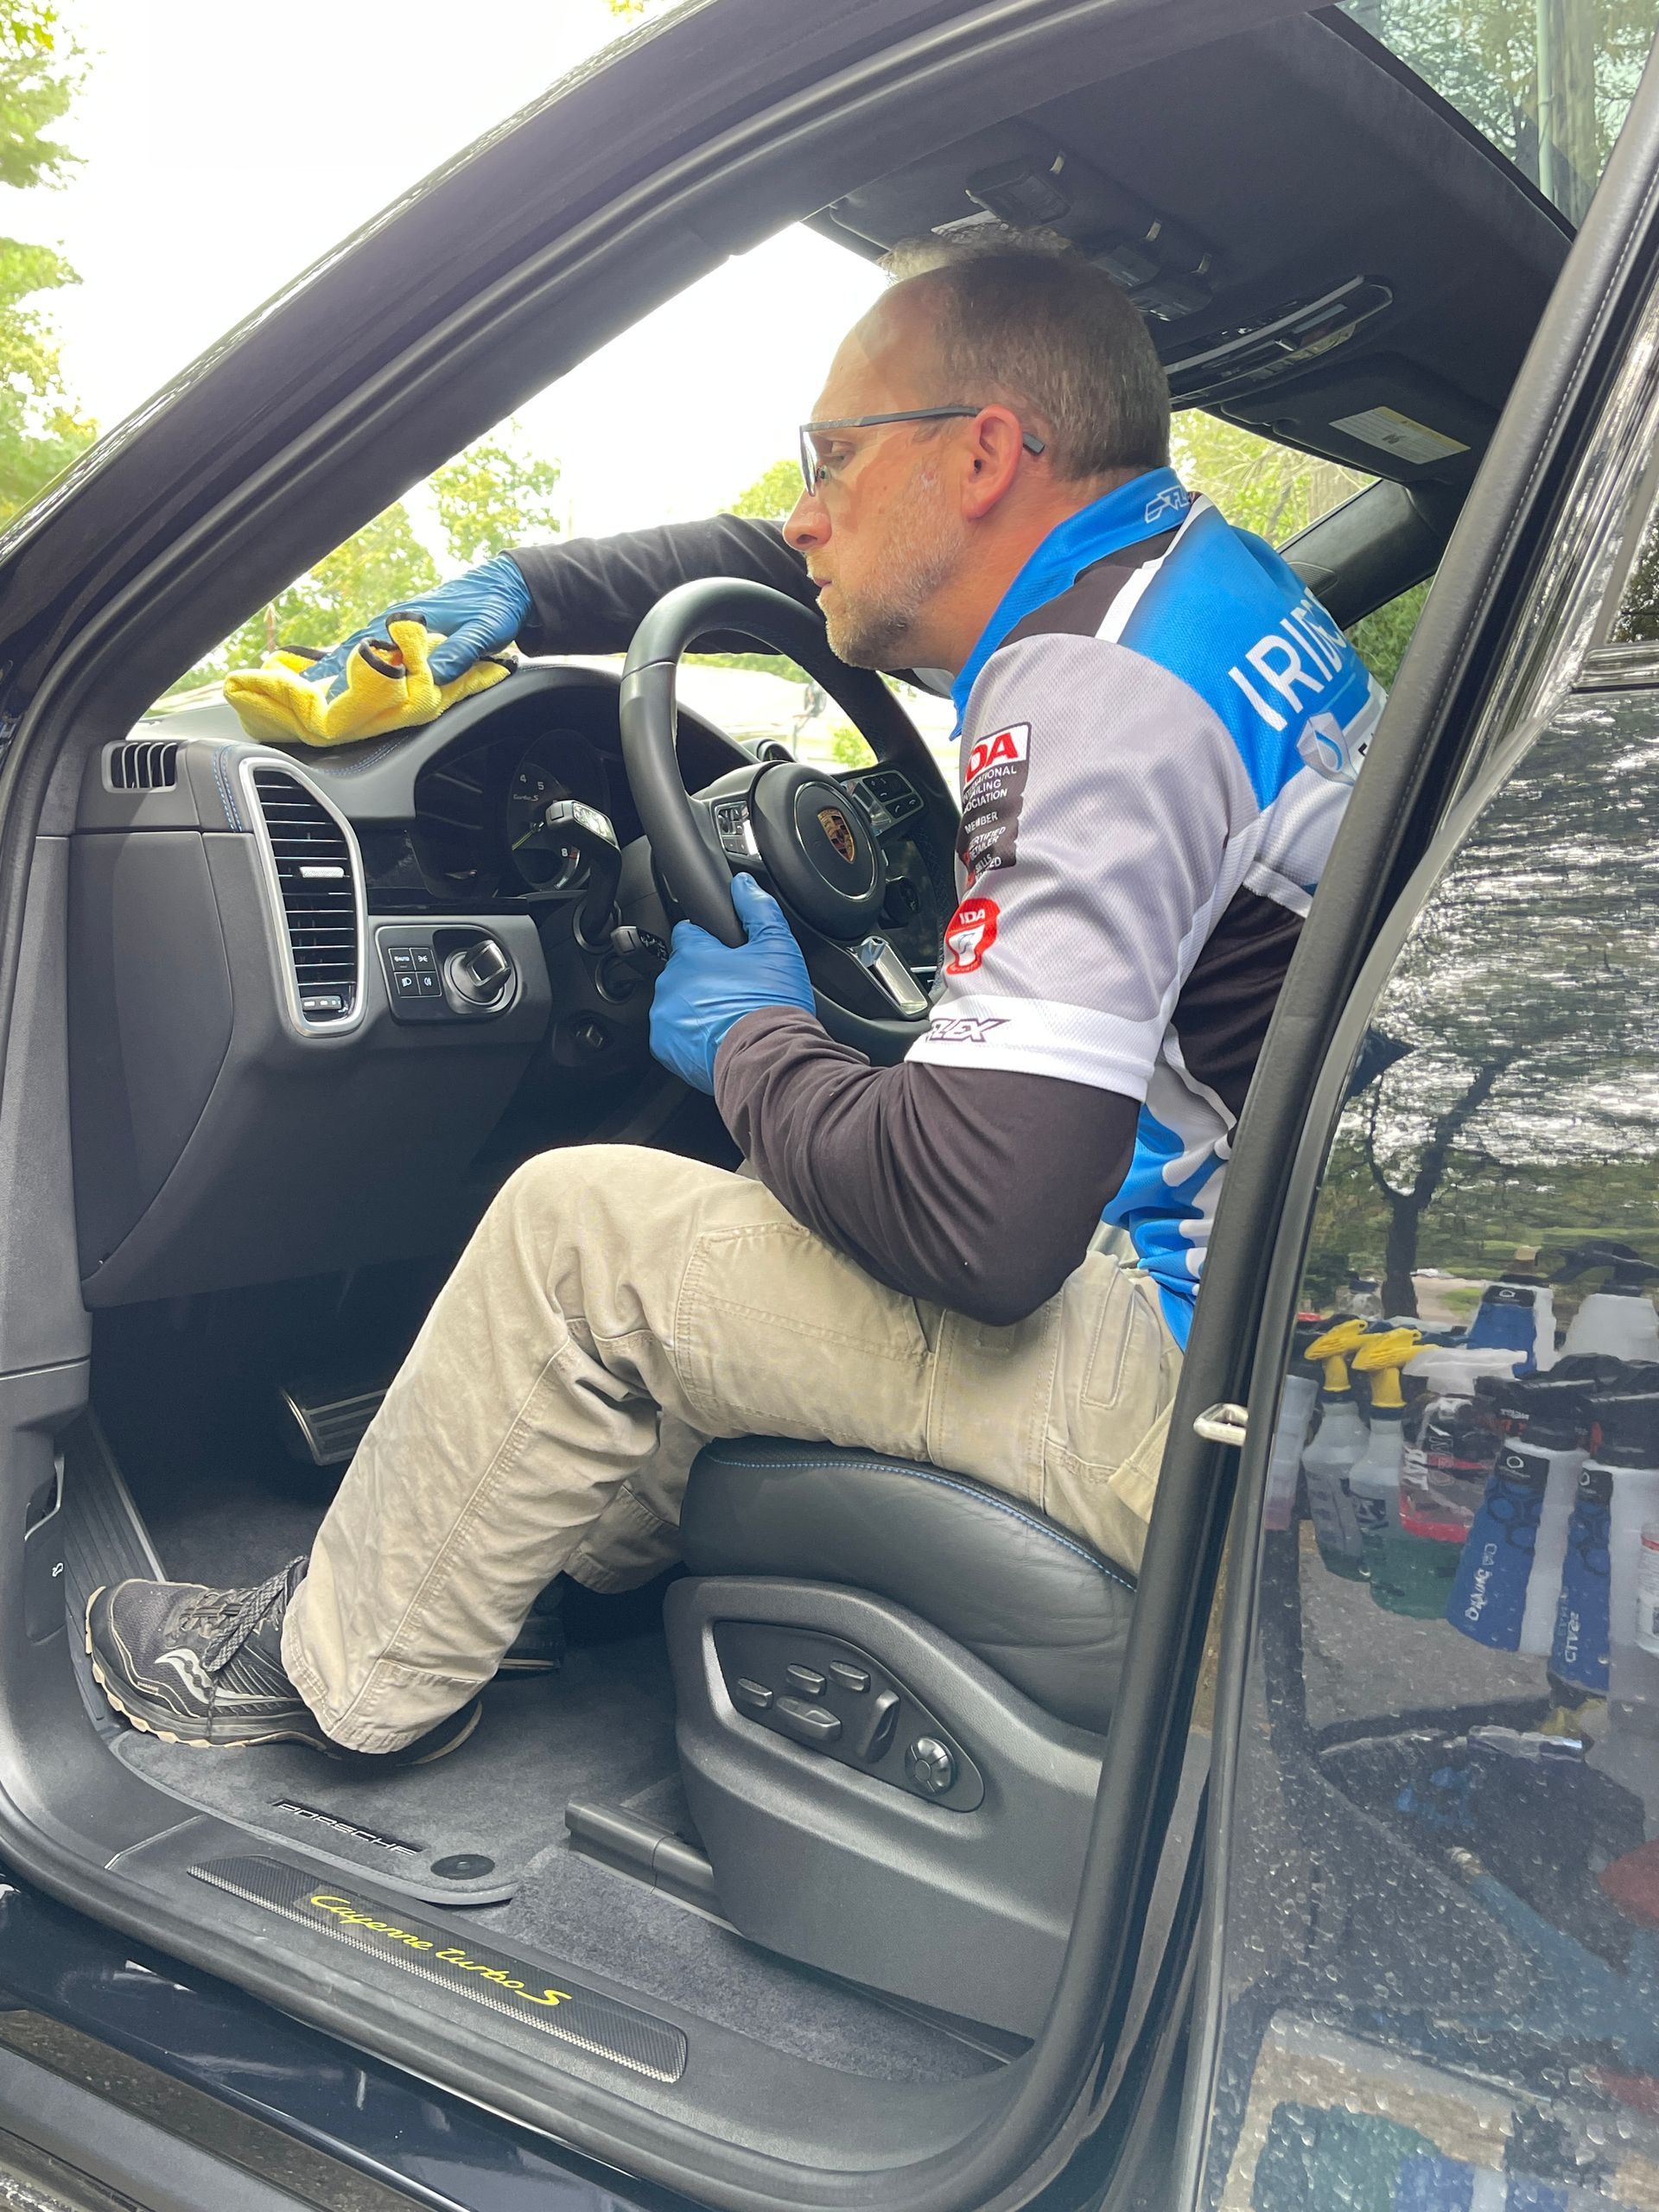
(474,615)
(707,986)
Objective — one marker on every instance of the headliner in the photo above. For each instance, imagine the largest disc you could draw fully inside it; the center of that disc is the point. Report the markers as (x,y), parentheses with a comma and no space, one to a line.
(1297,158)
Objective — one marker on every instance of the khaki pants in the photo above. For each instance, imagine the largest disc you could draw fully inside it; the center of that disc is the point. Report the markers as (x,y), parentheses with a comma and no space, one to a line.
(615,1310)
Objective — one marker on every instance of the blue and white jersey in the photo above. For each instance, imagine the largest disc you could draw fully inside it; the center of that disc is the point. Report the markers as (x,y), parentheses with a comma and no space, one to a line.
(1160,728)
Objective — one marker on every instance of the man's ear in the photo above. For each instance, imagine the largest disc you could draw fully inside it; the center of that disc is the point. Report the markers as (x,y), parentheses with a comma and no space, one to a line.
(996,441)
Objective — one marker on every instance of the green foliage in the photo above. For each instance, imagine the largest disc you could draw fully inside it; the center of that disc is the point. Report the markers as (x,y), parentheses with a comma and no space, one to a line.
(1380,638)
(492,498)
(489,498)
(348,589)
(1486,57)
(849,748)
(1257,484)
(772,494)
(42,430)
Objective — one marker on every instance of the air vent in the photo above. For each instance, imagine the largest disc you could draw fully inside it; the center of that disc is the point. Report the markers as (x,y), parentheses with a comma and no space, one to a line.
(315,876)
(145,764)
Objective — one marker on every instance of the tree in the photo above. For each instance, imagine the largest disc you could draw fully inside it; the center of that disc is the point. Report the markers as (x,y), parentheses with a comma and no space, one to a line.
(1548,81)
(1271,489)
(493,497)
(42,428)
(772,494)
(1526,1109)
(349,588)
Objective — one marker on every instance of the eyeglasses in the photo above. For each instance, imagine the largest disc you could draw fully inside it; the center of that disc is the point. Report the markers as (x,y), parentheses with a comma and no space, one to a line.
(813,470)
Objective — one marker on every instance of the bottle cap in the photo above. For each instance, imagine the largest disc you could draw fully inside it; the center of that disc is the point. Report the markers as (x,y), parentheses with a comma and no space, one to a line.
(1383,1356)
(1457,1372)
(1625,1430)
(1333,1347)
(1550,1411)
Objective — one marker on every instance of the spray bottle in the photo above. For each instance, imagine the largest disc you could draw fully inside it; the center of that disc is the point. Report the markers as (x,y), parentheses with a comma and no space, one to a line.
(1338,1442)
(1517,1313)
(1450,1444)
(1373,1479)
(1549,1450)
(1296,1404)
(1619,1317)
(1626,1443)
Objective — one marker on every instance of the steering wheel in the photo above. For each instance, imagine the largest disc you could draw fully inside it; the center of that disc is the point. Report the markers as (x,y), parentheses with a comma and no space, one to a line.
(796,828)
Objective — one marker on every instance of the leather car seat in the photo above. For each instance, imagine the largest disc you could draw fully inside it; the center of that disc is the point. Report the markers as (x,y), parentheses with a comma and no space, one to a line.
(893,1683)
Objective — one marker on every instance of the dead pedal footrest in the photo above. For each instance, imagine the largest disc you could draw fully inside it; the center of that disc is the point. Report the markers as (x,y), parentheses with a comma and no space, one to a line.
(504,1984)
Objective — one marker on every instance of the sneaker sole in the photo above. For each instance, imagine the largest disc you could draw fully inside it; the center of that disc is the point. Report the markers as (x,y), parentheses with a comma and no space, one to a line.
(316,1743)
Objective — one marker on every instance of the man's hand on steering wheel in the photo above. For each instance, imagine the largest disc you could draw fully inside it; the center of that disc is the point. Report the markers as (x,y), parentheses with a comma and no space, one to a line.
(707,986)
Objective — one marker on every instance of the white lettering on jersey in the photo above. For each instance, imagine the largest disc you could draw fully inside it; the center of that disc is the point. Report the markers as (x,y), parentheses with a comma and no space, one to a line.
(964,1028)
(1001,750)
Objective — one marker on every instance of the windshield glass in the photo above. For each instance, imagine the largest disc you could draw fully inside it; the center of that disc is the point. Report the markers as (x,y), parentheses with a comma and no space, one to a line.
(1548,81)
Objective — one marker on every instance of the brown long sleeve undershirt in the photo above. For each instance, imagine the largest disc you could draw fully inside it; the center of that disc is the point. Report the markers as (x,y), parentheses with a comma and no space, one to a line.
(978,1189)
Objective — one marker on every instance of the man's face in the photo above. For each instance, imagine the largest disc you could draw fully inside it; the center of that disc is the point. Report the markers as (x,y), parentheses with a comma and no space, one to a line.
(882,533)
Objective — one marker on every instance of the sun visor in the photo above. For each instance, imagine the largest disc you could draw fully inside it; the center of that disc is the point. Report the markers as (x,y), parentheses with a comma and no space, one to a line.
(1385,415)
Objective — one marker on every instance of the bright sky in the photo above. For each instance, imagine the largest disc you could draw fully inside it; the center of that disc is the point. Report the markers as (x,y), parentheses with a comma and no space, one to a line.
(220,156)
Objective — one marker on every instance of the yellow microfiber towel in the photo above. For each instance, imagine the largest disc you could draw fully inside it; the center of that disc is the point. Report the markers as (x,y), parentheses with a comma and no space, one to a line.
(388,688)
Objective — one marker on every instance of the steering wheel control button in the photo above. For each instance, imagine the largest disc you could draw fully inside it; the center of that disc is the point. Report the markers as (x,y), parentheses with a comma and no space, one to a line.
(814,1726)
(861,1715)
(883,1726)
(930,1766)
(735,829)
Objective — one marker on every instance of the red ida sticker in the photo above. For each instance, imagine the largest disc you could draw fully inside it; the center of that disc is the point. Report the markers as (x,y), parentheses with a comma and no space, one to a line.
(1004,750)
(970,935)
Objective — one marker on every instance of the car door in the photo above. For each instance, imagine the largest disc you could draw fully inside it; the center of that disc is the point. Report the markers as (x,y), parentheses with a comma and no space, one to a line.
(1430,1971)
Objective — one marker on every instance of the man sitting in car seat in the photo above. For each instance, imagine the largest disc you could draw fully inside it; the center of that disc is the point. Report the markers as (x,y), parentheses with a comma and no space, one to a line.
(1160,729)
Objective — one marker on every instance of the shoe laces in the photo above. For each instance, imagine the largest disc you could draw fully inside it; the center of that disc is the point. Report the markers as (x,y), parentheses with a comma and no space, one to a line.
(229,1618)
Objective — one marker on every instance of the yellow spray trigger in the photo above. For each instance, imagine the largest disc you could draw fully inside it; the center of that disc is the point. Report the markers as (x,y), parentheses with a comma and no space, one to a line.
(1384,1357)
(1333,1348)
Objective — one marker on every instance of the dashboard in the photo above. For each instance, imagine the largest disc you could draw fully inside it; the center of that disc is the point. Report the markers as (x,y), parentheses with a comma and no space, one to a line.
(323,1003)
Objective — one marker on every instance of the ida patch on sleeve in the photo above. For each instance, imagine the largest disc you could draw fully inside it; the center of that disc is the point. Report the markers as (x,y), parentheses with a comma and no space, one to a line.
(969,934)
(993,792)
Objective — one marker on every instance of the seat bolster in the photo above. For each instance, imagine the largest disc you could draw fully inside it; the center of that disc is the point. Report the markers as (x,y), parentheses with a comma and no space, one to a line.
(1028,1598)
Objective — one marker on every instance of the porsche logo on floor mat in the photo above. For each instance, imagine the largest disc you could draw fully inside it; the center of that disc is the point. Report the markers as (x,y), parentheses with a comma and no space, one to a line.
(515,1986)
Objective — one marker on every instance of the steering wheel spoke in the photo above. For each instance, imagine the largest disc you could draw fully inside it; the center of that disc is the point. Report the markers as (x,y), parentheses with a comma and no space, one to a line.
(797,827)
(876,956)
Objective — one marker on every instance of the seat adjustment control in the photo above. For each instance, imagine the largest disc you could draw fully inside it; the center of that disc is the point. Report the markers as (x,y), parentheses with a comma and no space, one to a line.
(833,1699)
(807,1724)
(930,1765)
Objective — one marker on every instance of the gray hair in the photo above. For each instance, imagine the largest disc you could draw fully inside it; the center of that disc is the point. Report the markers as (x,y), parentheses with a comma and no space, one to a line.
(1023,318)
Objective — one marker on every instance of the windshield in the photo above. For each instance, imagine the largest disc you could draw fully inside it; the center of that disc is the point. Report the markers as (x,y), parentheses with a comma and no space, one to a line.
(1548,81)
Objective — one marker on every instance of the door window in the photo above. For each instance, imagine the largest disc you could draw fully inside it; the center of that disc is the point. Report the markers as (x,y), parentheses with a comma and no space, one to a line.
(1443,1904)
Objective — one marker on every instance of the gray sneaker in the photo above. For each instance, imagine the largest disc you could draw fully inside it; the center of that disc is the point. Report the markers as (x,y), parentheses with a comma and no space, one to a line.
(205,1668)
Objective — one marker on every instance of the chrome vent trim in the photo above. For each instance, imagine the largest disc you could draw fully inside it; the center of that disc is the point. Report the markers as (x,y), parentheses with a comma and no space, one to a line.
(313,874)
(140,764)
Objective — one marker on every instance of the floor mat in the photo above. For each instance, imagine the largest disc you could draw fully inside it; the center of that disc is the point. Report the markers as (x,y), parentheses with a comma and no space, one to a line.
(463,1830)
(654,1946)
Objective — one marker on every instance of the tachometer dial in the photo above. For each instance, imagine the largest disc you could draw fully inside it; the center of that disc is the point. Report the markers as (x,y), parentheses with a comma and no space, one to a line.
(543,857)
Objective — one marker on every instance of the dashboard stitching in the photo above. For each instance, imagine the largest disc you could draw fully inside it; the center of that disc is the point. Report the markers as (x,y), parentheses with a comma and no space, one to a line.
(232,813)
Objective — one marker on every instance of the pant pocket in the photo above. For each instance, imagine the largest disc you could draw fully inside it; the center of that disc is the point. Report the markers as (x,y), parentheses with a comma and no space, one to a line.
(777,1332)
(1114,1377)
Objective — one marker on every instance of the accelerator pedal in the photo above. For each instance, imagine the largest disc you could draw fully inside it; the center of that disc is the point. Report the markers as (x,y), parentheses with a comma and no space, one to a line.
(322,1418)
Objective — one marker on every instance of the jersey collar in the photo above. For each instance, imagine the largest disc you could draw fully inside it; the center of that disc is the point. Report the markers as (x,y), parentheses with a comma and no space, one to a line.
(1153,502)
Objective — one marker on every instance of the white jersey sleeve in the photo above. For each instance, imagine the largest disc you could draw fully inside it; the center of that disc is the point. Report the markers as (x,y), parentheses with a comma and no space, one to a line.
(1107,822)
